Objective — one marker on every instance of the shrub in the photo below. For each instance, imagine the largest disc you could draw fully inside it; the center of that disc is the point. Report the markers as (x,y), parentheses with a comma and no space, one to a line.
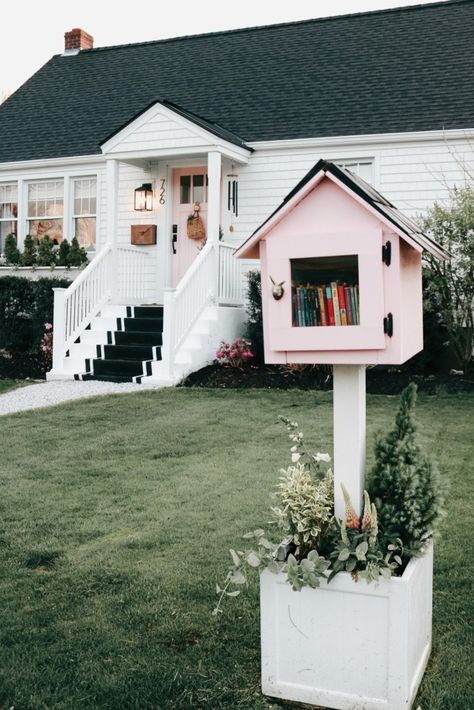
(46,347)
(254,327)
(30,252)
(10,250)
(404,483)
(235,354)
(46,254)
(63,253)
(451,282)
(77,254)
(24,307)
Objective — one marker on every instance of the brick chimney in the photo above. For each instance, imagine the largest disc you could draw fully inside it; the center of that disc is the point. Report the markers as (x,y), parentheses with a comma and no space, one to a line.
(76,40)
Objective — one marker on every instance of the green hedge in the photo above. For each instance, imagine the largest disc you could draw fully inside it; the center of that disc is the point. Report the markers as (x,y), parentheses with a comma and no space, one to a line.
(25,306)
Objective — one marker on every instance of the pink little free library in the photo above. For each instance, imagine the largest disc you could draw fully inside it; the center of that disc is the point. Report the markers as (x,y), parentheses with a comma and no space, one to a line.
(350,266)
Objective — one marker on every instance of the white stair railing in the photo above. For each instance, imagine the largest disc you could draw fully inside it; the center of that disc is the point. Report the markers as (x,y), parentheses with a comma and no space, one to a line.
(114,274)
(76,305)
(230,288)
(132,265)
(184,304)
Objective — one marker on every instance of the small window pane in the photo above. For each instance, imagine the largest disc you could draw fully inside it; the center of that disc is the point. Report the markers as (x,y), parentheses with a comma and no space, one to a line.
(198,188)
(84,230)
(39,228)
(185,189)
(325,291)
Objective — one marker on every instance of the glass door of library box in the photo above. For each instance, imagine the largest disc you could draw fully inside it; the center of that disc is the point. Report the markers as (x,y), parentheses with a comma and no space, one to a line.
(334,292)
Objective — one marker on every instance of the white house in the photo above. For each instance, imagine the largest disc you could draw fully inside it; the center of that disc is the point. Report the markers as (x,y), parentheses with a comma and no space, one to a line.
(229,121)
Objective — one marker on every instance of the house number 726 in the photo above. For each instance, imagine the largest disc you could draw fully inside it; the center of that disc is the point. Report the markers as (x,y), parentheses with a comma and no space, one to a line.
(162,192)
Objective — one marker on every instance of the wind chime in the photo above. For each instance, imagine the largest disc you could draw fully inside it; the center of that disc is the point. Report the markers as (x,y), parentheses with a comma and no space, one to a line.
(233,196)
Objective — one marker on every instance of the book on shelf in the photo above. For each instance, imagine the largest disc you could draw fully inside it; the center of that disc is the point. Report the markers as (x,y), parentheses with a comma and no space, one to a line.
(325,304)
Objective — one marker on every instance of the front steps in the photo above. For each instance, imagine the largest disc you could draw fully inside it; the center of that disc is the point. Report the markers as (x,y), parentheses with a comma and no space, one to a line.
(124,344)
(130,347)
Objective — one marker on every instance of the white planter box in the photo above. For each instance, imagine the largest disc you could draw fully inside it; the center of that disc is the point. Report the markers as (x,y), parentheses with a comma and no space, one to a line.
(347,645)
(41,272)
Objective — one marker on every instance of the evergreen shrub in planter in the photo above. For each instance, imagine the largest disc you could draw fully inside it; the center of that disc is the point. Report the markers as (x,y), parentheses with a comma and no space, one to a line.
(358,633)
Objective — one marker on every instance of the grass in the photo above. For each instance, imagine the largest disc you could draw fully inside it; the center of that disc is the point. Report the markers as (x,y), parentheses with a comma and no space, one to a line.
(116,516)
(7,385)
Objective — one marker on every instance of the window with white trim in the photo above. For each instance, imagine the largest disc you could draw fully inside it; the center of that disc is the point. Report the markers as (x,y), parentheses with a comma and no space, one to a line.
(46,209)
(362,168)
(85,211)
(8,211)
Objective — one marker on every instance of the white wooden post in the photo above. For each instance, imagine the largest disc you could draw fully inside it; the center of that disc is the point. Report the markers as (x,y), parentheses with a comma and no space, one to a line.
(59,328)
(112,177)
(167,351)
(214,172)
(349,405)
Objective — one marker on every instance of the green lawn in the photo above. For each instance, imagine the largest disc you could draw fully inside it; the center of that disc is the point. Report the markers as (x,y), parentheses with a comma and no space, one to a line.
(7,385)
(116,515)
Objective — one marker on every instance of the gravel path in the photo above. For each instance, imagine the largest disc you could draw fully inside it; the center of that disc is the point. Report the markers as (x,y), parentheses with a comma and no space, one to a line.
(47,394)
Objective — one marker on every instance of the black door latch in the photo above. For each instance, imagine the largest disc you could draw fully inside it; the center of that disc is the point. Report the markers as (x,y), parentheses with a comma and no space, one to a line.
(174,239)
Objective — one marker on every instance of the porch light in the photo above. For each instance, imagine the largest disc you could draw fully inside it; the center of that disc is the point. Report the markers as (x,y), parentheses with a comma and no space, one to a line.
(144,198)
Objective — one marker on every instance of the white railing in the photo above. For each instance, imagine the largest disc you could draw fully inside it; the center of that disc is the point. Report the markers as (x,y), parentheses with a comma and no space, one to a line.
(115,275)
(230,289)
(132,265)
(82,300)
(184,304)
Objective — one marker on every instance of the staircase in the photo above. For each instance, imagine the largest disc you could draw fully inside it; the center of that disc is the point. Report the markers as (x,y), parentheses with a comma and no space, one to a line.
(100,334)
(131,348)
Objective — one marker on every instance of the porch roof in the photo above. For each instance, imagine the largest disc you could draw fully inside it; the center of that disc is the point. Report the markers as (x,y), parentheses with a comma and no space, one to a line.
(390,71)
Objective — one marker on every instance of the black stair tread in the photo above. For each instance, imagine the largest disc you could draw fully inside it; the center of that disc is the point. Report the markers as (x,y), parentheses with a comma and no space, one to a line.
(148,311)
(143,324)
(131,352)
(117,367)
(107,378)
(138,337)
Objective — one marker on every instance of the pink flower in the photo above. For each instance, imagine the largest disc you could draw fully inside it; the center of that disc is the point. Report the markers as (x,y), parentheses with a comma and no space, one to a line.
(48,326)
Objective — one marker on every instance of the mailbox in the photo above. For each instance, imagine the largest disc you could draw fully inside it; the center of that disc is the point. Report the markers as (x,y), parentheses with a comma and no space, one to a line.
(341,274)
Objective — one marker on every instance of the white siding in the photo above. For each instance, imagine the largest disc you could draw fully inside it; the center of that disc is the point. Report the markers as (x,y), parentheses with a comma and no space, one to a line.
(131,177)
(158,129)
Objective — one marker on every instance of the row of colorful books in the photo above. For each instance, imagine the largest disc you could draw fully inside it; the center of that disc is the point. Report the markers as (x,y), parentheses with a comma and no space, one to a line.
(333,304)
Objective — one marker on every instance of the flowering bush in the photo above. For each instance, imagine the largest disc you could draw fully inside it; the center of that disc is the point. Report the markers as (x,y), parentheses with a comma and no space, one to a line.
(46,347)
(235,354)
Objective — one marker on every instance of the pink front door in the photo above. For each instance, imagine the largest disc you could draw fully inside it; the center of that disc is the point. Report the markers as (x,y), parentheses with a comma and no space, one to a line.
(190,186)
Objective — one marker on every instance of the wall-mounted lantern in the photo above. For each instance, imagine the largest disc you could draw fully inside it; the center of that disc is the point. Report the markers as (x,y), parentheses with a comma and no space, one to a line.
(144,198)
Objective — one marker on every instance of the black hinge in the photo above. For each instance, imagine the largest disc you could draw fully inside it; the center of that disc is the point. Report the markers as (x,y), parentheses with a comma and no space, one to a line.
(388,325)
(387,253)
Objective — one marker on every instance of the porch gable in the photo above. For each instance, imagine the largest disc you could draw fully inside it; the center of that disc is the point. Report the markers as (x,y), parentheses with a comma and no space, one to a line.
(164,129)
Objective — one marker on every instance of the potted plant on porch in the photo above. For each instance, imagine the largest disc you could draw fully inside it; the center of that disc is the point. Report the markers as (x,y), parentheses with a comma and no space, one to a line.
(346,604)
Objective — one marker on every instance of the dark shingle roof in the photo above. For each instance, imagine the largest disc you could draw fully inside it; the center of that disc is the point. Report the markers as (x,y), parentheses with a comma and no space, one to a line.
(407,69)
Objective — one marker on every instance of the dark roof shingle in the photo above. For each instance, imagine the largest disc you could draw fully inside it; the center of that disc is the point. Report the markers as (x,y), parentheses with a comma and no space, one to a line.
(399,70)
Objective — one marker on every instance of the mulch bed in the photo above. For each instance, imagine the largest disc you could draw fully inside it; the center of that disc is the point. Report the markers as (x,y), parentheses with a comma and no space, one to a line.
(380,380)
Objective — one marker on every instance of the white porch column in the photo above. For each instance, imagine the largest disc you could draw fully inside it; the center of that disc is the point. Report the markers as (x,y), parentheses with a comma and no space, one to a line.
(349,410)
(214,172)
(112,181)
